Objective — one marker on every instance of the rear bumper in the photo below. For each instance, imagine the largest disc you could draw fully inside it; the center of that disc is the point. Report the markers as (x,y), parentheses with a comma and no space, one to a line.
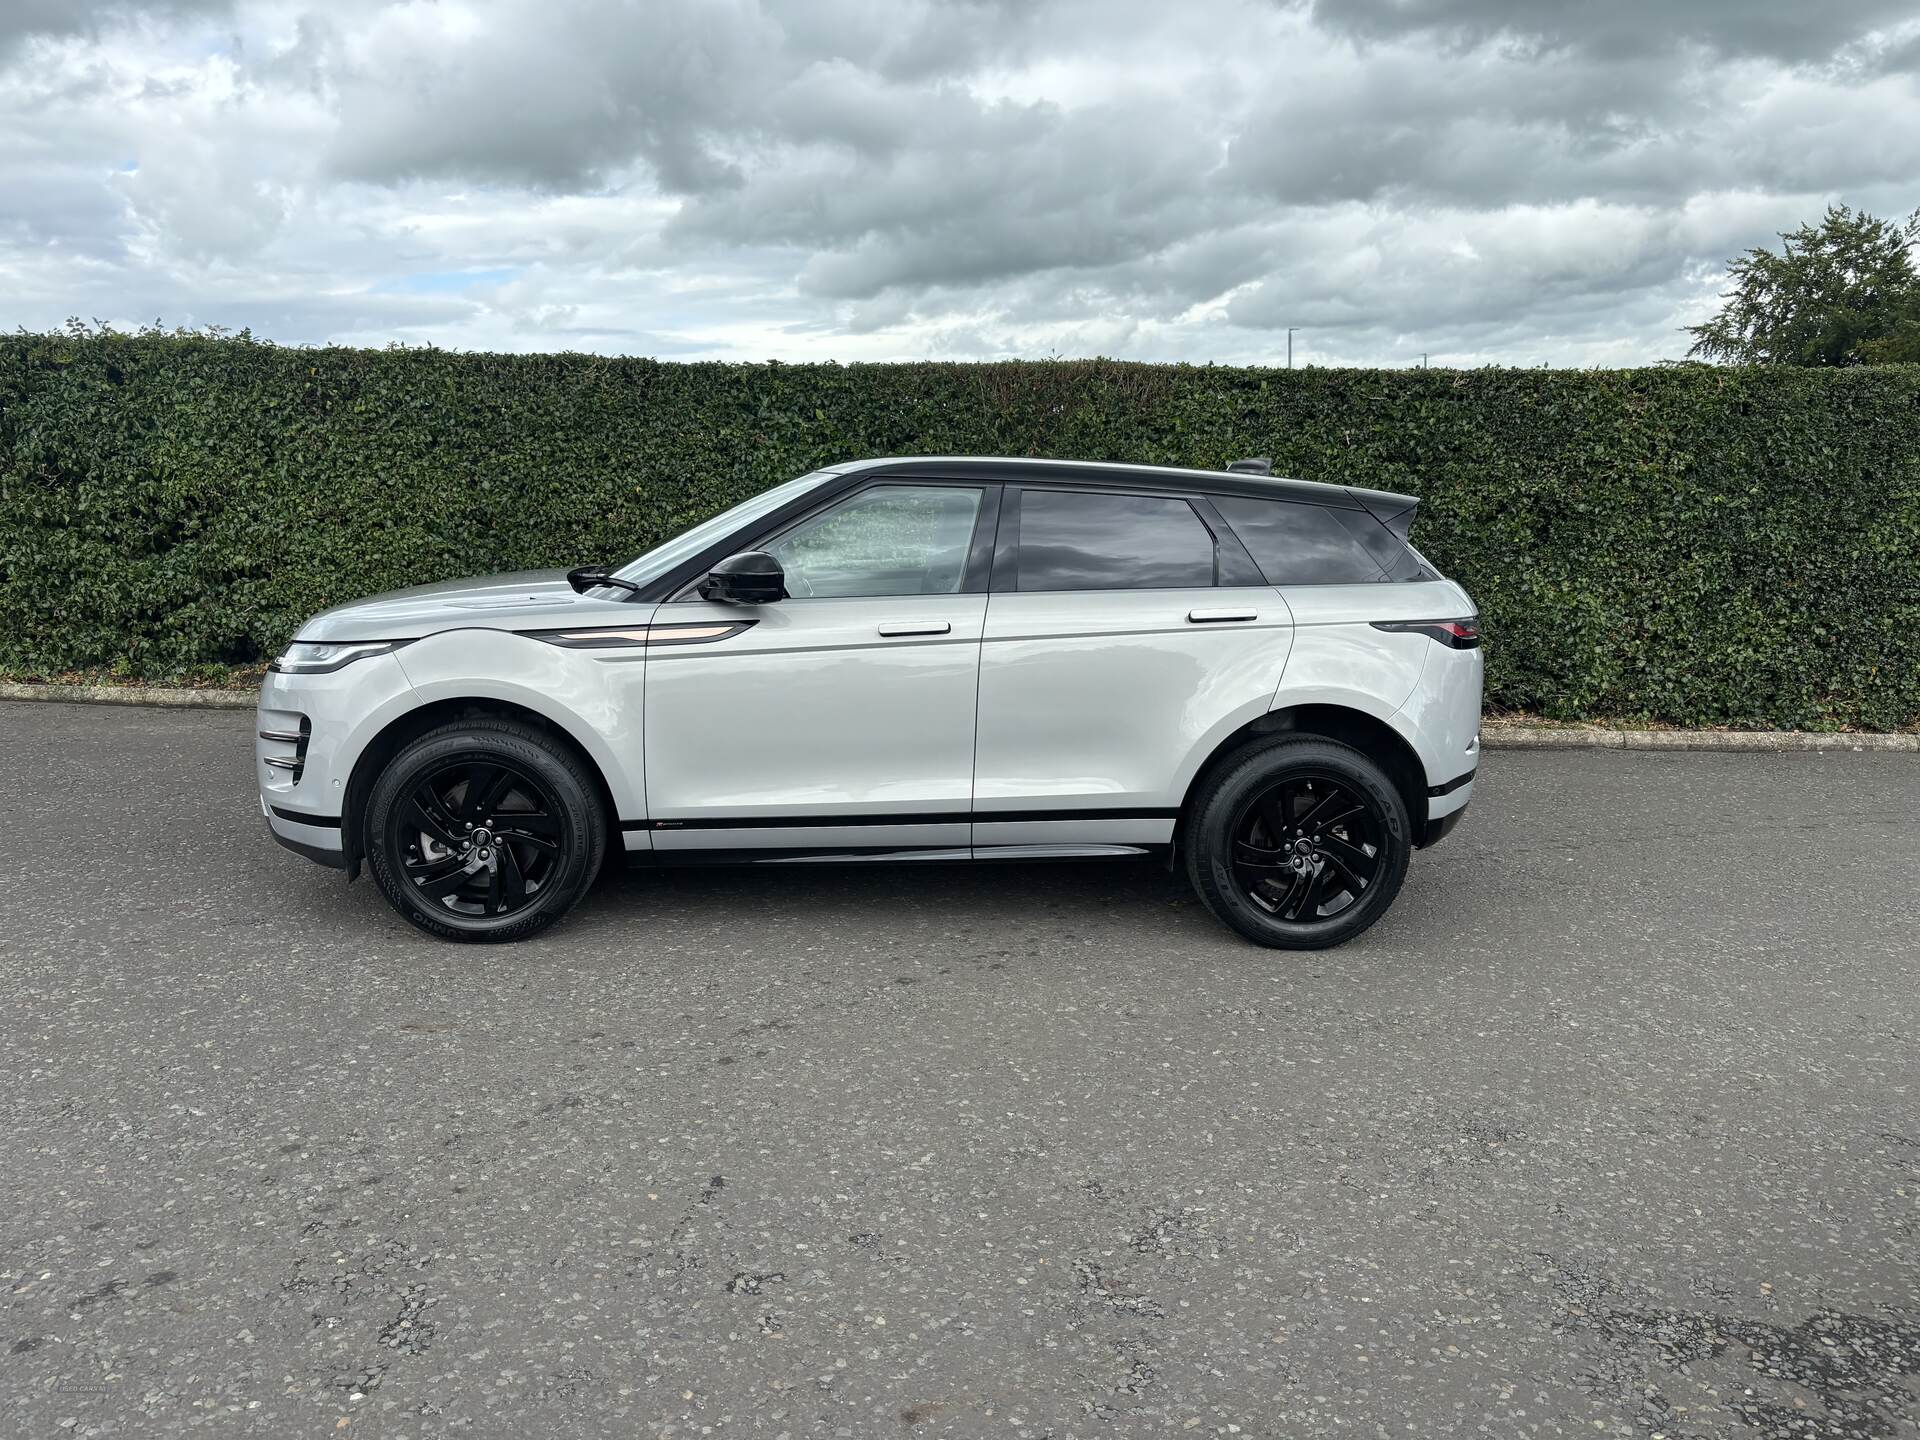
(1446,803)
(1437,829)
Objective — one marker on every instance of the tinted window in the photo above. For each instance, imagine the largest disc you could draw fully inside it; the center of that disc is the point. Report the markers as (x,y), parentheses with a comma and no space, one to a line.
(1303,544)
(887,540)
(1072,540)
(1382,544)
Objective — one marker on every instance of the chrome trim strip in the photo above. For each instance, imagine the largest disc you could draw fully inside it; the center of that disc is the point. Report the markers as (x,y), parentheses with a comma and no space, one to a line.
(612,637)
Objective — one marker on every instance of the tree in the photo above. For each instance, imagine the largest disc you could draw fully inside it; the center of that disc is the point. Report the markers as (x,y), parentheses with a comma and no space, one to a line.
(1843,292)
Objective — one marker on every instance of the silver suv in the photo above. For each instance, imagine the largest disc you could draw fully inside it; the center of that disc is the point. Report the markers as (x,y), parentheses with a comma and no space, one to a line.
(906,659)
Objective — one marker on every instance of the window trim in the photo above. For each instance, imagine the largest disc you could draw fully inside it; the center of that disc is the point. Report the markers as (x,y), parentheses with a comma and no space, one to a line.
(973,578)
(1006,555)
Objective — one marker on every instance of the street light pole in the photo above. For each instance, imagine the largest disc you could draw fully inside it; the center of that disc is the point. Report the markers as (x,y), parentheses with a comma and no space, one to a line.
(1290,330)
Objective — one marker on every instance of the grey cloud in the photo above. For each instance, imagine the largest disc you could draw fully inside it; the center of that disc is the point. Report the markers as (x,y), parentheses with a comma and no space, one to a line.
(21,20)
(567,93)
(865,179)
(1794,31)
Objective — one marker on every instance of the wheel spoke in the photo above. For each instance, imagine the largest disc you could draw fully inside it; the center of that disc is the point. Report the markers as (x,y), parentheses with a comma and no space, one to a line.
(533,822)
(1349,854)
(1300,904)
(441,822)
(1354,883)
(493,886)
(516,834)
(418,817)
(1255,858)
(1334,806)
(446,883)
(482,779)
(510,881)
(1273,813)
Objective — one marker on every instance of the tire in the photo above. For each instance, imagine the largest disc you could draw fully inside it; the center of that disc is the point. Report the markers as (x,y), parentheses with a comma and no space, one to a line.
(514,840)
(1338,858)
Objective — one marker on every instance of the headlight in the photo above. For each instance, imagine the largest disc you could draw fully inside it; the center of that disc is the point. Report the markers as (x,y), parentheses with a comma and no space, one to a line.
(304,658)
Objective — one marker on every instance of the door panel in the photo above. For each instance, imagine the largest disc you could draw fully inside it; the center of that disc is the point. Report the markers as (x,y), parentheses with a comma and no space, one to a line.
(815,715)
(1096,700)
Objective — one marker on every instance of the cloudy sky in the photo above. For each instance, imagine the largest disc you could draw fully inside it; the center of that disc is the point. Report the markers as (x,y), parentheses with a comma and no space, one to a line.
(1511,181)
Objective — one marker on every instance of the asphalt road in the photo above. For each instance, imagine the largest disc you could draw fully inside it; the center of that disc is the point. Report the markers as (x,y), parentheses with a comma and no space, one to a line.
(1611,1127)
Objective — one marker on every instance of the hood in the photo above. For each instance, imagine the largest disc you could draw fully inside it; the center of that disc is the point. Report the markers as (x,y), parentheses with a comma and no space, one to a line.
(523,600)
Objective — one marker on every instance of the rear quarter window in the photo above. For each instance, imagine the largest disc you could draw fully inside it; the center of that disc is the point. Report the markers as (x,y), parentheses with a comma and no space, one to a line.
(1299,544)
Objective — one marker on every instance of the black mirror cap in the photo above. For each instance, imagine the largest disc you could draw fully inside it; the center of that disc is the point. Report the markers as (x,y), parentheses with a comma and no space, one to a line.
(752,577)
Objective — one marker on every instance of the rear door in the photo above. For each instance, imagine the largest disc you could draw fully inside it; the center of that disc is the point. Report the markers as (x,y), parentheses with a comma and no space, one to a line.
(1127,631)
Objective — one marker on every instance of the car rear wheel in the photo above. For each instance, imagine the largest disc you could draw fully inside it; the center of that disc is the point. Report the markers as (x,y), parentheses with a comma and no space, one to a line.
(1299,844)
(484,830)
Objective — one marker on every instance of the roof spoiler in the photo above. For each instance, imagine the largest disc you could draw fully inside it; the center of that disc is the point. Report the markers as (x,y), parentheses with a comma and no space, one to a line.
(1391,510)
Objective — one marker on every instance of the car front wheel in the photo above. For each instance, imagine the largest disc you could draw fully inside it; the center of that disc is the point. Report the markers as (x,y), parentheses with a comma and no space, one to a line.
(1299,844)
(484,830)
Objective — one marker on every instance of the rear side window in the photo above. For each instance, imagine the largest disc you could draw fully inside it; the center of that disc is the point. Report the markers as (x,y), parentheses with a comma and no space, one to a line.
(1080,540)
(1299,544)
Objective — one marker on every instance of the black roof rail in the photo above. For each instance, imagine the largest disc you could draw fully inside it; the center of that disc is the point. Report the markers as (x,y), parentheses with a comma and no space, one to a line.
(1253,465)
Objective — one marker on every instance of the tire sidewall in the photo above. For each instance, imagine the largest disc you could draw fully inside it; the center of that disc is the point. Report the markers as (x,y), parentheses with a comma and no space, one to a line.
(1210,863)
(582,828)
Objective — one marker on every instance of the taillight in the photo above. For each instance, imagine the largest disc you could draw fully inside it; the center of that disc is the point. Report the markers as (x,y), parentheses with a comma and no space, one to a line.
(1454,634)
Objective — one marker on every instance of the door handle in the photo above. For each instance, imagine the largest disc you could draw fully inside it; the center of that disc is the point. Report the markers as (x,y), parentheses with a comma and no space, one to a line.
(1213,617)
(916,627)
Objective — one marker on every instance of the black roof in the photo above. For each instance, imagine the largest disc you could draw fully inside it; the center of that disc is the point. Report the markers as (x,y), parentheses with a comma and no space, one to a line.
(1395,510)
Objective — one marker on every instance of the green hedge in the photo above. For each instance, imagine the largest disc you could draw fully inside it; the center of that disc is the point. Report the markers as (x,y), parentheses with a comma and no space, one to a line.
(1695,545)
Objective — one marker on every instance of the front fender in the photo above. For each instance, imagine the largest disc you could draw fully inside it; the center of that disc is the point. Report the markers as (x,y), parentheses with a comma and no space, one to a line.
(597,697)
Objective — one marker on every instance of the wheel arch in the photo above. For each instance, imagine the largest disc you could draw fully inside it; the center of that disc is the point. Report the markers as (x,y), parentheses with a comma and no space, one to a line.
(402,730)
(1369,734)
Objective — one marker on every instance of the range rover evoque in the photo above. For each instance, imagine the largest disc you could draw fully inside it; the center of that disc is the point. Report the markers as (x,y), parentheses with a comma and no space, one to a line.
(901,660)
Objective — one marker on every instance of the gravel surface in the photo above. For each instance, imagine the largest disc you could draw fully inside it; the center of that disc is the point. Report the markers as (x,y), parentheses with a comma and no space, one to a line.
(1611,1127)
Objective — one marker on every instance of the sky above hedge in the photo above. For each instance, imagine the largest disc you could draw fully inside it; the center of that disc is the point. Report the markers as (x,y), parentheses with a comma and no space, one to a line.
(1515,181)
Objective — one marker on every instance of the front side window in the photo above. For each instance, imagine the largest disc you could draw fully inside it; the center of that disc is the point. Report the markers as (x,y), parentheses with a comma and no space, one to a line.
(885,540)
(1300,544)
(1081,540)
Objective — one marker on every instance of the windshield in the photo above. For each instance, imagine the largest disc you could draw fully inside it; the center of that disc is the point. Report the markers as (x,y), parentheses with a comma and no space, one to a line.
(662,558)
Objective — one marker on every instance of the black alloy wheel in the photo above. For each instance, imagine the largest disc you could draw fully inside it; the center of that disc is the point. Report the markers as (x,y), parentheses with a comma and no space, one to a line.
(488,828)
(480,838)
(1308,847)
(1297,842)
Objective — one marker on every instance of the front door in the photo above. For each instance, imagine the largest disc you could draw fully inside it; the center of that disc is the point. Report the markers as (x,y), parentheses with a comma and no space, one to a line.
(842,718)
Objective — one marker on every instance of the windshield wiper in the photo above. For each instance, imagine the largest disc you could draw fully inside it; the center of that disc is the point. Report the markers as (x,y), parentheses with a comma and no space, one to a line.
(592,577)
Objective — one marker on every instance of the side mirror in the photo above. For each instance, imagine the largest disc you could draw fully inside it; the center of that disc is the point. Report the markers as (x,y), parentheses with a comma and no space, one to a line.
(752,577)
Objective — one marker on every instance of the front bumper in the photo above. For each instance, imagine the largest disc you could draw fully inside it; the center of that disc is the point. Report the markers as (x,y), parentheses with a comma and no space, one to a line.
(310,730)
(285,831)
